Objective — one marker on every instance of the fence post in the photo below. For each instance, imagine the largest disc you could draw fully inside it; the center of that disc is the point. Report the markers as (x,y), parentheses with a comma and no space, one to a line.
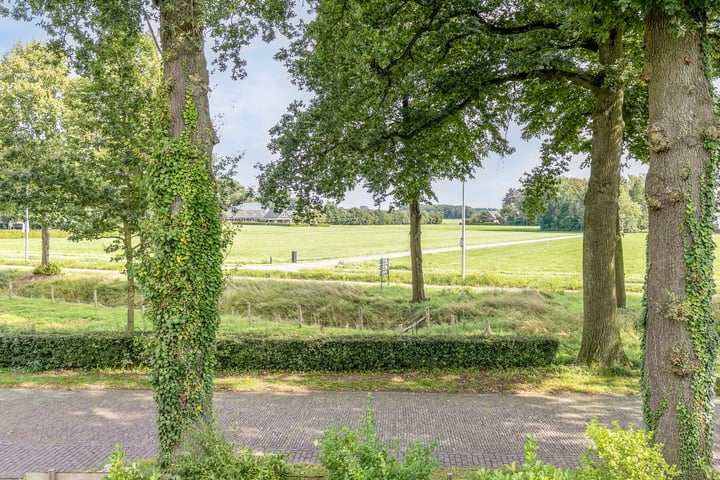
(52,293)
(95,300)
(249,312)
(487,330)
(10,290)
(361,318)
(300,319)
(452,325)
(427,316)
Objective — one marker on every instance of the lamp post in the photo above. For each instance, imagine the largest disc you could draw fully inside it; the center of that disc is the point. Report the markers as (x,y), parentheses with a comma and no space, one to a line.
(462,234)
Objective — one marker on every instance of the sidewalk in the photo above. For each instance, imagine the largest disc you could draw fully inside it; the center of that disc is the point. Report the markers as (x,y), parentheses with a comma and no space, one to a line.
(77,430)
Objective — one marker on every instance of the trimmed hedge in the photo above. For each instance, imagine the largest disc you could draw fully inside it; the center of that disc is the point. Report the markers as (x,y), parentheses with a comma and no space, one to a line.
(367,353)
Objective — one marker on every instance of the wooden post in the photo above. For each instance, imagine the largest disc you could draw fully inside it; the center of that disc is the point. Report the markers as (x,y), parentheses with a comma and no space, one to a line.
(52,293)
(452,325)
(249,312)
(361,318)
(95,300)
(427,316)
(300,318)
(10,290)
(487,330)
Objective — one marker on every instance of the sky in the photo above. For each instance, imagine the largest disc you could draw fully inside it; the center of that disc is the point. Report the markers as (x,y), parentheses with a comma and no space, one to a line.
(244,111)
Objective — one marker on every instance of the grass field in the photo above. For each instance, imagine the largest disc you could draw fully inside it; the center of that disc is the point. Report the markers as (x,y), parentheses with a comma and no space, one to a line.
(257,243)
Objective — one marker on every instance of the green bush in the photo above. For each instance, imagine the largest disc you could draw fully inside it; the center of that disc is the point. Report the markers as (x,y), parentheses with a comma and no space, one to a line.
(617,454)
(350,455)
(47,270)
(38,352)
(120,471)
(204,453)
(383,353)
(532,468)
(623,455)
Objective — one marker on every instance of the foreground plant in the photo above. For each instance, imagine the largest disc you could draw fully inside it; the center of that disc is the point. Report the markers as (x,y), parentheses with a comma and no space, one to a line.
(351,455)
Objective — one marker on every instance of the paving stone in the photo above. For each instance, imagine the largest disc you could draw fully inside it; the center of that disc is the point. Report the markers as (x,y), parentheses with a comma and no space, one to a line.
(76,430)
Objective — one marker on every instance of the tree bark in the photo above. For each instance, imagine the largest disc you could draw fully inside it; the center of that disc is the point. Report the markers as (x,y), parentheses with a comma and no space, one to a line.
(680,341)
(601,343)
(620,293)
(418,282)
(45,256)
(130,275)
(186,276)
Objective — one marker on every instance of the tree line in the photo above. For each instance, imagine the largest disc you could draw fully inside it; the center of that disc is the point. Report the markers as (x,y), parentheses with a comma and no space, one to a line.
(564,210)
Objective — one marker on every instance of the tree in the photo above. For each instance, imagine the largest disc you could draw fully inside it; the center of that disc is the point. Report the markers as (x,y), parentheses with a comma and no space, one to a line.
(181,269)
(33,82)
(114,132)
(386,115)
(583,99)
(512,208)
(566,211)
(680,340)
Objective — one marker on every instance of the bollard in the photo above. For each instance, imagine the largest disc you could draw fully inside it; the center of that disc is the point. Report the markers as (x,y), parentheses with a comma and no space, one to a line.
(293,256)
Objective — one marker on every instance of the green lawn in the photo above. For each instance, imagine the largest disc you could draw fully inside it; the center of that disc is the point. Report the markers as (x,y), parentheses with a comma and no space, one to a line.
(257,243)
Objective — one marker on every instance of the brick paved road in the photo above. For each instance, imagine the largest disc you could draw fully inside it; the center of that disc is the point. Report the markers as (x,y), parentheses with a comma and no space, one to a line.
(75,430)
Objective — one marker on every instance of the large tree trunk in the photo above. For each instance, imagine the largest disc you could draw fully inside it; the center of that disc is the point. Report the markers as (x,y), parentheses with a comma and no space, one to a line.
(620,293)
(680,341)
(130,275)
(418,282)
(185,281)
(601,343)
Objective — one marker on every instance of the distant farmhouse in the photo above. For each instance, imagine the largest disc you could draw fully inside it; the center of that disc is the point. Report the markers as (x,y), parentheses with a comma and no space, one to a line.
(255,213)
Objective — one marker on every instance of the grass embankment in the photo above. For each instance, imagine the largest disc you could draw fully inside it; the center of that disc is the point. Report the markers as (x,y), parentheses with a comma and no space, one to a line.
(333,308)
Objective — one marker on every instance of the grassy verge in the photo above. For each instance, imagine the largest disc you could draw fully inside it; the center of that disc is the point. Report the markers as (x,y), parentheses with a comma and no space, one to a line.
(555,379)
(330,308)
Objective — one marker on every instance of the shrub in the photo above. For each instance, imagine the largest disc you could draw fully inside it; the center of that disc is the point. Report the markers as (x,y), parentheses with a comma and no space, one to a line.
(120,471)
(532,468)
(204,453)
(350,455)
(623,455)
(617,454)
(383,353)
(40,352)
(47,270)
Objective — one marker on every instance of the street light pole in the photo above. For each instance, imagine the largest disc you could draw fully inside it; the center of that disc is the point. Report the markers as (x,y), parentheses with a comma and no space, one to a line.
(462,234)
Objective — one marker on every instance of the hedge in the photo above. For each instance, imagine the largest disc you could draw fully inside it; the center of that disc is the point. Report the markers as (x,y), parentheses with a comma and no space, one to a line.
(39,352)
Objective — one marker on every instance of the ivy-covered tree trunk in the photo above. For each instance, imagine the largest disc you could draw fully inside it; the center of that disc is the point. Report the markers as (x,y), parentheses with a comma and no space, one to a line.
(183,280)
(680,340)
(418,282)
(601,343)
